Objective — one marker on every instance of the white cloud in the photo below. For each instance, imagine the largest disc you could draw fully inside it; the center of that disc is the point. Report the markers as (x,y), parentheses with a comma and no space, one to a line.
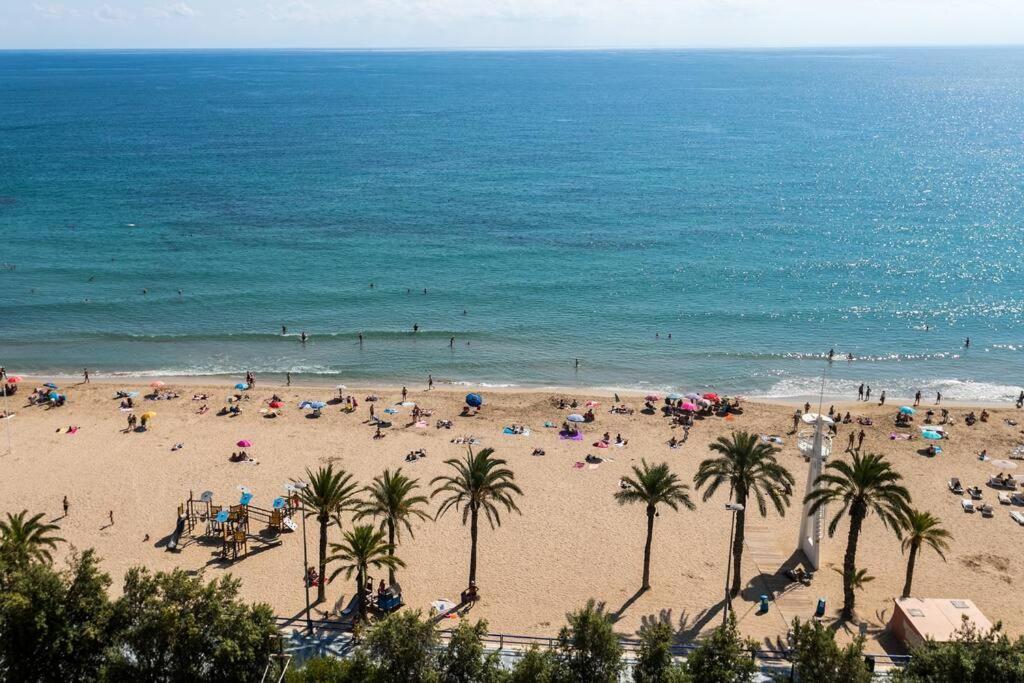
(107,13)
(182,9)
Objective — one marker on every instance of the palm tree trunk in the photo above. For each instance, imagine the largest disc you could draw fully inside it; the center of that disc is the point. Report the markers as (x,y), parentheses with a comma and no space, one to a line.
(910,570)
(472,545)
(850,559)
(647,548)
(737,543)
(320,589)
(391,551)
(360,606)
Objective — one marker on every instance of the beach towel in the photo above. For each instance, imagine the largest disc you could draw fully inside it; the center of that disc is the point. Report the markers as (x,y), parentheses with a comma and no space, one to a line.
(549,425)
(391,411)
(578,465)
(421,425)
(895,436)
(592,466)
(600,444)
(564,436)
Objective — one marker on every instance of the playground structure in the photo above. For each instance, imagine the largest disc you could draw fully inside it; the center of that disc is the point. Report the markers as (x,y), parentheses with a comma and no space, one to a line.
(232,525)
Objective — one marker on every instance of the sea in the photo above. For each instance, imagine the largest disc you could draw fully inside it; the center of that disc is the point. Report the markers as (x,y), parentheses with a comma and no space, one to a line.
(713,220)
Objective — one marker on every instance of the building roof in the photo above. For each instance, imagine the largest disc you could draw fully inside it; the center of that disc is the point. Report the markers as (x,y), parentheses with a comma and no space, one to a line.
(939,618)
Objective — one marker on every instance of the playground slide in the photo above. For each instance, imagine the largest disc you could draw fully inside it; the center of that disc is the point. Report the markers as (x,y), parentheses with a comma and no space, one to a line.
(176,536)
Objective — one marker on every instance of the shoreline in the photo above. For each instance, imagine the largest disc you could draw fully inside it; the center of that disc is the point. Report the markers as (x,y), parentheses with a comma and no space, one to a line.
(313,383)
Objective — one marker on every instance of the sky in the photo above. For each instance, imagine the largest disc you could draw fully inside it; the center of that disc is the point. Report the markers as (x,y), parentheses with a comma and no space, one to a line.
(46,24)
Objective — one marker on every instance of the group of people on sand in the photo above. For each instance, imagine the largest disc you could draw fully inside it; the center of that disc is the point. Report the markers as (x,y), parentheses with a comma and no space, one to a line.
(413,456)
(242,456)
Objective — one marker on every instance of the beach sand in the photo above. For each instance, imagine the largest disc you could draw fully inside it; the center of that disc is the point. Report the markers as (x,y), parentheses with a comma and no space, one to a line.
(572,542)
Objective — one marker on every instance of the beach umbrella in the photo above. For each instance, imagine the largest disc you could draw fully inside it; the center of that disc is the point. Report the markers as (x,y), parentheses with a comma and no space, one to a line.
(148,416)
(693,395)
(276,404)
(575,417)
(907,410)
(241,386)
(689,406)
(157,384)
(245,499)
(13,380)
(244,443)
(341,386)
(811,418)
(51,385)
(929,434)
(592,404)
(317,405)
(710,396)
(674,396)
(474,400)
(652,397)
(53,395)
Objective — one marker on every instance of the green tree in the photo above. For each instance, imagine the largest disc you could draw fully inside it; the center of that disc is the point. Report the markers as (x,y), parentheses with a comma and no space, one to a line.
(535,666)
(172,627)
(653,486)
(362,549)
(326,494)
(464,659)
(27,540)
(723,657)
(654,658)
(817,657)
(866,484)
(356,668)
(391,499)
(480,483)
(402,647)
(588,649)
(54,625)
(922,528)
(972,656)
(748,466)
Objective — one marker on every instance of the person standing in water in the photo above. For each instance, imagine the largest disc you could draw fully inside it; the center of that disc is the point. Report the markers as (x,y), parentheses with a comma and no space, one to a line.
(831,354)
(284,330)
(867,394)
(430,382)
(360,338)
(967,343)
(881,399)
(938,397)
(917,398)
(85,375)
(451,343)
(415,328)
(287,379)
(303,337)
(577,363)
(860,392)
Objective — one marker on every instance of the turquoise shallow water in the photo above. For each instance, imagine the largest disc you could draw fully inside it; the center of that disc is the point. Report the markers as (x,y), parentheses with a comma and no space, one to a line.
(762,207)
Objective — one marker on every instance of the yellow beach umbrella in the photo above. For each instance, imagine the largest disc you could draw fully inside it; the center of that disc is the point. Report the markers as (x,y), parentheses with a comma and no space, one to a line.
(148,416)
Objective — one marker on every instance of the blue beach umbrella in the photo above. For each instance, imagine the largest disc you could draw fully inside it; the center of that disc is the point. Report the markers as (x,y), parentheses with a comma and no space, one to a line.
(693,396)
(907,410)
(576,418)
(317,405)
(929,434)
(474,400)
(674,397)
(241,386)
(53,395)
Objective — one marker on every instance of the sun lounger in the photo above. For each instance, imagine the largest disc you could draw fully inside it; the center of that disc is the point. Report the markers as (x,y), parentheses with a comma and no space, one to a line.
(1017,498)
(975,492)
(967,505)
(986,510)
(1017,517)
(1004,498)
(955,486)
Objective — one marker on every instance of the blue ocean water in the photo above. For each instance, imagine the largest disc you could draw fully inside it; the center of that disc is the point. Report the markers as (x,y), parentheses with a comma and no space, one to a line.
(761,207)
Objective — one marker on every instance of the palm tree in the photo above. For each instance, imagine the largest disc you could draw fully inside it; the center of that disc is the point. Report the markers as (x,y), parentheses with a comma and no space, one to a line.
(480,483)
(653,486)
(748,465)
(922,528)
(866,484)
(363,548)
(26,540)
(327,493)
(391,499)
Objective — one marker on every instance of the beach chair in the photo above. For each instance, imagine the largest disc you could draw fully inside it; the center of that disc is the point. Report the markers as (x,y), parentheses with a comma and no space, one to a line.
(1017,498)
(1004,498)
(975,492)
(955,486)
(986,510)
(1017,517)
(967,505)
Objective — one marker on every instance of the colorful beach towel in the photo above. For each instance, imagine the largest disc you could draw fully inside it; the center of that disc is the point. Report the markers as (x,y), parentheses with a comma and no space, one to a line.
(564,436)
(578,465)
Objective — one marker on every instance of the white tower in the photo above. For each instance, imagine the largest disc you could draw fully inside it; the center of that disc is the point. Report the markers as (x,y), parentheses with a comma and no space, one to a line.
(817,448)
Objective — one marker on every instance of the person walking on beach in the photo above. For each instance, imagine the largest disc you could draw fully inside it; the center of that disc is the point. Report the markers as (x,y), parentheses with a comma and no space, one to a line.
(938,397)
(65,505)
(881,398)
(1020,399)
(867,394)
(796,420)
(860,392)
(860,439)
(917,398)
(404,394)
(85,375)
(111,514)
(287,379)
(430,382)
(849,446)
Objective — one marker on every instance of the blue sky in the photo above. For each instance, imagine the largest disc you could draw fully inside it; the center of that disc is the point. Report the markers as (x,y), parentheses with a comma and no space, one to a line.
(505,23)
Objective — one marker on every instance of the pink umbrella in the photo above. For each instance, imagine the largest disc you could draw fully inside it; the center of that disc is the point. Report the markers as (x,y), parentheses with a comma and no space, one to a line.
(592,404)
(689,406)
(244,443)
(157,384)
(13,380)
(652,397)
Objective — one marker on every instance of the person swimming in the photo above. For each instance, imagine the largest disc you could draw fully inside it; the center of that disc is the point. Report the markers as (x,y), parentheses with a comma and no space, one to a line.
(303,337)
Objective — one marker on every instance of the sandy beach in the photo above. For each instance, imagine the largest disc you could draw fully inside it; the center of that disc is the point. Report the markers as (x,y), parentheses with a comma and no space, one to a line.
(571,543)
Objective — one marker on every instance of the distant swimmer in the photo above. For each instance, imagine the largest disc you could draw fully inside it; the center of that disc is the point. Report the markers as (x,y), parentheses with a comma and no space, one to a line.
(179,293)
(408,290)
(424,290)
(92,278)
(463,311)
(284,330)
(669,335)
(451,343)
(577,362)
(926,327)
(831,354)
(145,291)
(415,328)
(657,335)
(849,357)
(303,337)
(967,343)
(360,338)
(371,285)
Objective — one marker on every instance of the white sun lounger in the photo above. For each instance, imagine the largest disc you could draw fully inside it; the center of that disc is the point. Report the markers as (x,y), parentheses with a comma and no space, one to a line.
(967,504)
(1004,498)
(1017,517)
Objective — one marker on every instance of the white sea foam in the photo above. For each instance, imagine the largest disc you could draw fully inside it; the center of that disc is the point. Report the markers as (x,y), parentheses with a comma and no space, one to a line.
(952,389)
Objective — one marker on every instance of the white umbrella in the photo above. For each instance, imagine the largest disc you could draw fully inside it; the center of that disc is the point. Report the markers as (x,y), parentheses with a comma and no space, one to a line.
(811,418)
(576,418)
